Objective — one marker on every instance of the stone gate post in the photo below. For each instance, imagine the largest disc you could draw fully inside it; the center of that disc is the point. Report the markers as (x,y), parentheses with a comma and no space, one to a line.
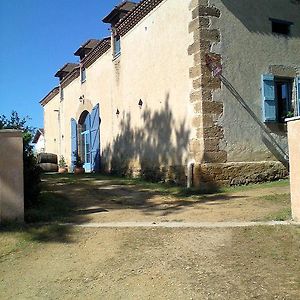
(11,176)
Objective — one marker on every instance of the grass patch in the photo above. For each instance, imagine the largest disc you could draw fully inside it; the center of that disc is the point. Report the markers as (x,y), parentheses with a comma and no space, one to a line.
(277,198)
(278,183)
(49,208)
(283,201)
(15,239)
(281,215)
(11,242)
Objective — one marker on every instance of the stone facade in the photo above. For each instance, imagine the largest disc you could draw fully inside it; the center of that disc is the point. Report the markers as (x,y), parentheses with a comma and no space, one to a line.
(188,117)
(214,165)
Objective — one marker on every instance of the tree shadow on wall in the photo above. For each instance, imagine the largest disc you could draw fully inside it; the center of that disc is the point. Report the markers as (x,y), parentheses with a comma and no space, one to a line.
(155,148)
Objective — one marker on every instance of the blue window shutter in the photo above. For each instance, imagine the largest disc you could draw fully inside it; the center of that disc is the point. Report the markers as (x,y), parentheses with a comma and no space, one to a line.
(269,99)
(73,143)
(95,139)
(298,94)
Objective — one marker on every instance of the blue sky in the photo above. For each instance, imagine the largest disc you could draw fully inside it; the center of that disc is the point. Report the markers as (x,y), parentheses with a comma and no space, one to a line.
(37,37)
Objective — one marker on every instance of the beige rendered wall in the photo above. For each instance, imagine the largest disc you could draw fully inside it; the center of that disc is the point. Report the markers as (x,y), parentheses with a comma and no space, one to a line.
(11,176)
(294,147)
(154,67)
(248,49)
(51,125)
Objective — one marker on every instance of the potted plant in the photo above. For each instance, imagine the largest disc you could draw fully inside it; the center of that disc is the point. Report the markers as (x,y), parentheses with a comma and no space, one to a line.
(78,165)
(62,166)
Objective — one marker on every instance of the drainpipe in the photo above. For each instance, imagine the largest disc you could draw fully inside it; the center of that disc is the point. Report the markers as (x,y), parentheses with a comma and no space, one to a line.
(190,173)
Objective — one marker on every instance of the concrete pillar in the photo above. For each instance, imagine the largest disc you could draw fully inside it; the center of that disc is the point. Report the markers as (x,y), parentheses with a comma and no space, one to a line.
(294,154)
(11,176)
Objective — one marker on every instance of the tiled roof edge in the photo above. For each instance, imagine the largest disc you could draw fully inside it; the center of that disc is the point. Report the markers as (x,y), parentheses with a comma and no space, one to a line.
(70,77)
(50,96)
(97,52)
(136,15)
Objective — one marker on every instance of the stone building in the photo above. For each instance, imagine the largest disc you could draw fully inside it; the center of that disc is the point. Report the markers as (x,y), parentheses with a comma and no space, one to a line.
(150,99)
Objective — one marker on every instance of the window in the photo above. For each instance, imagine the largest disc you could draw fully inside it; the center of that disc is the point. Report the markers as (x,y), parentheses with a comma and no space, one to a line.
(277,95)
(83,75)
(117,45)
(61,94)
(281,27)
(283,93)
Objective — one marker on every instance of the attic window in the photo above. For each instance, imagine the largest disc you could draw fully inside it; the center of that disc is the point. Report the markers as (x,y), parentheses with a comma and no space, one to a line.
(117,45)
(281,27)
(83,75)
(61,94)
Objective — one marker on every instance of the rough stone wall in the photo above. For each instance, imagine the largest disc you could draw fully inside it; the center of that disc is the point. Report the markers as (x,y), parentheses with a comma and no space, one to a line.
(217,174)
(206,147)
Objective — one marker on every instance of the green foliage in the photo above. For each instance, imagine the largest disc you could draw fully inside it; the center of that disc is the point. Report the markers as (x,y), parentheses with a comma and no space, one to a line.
(62,162)
(31,171)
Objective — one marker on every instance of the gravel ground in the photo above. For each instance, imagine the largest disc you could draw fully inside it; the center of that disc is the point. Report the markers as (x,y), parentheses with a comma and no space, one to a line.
(158,263)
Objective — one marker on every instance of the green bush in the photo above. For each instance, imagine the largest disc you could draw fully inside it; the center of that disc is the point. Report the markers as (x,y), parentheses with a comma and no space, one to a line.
(31,171)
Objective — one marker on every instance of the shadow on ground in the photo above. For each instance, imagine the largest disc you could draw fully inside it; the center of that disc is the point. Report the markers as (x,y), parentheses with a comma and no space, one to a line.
(97,198)
(49,233)
(91,194)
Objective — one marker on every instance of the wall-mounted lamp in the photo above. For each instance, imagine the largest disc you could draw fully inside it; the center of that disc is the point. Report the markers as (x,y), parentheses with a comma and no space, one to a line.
(117,112)
(140,104)
(81,99)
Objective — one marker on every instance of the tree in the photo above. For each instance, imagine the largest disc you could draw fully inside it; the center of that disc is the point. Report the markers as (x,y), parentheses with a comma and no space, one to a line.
(31,171)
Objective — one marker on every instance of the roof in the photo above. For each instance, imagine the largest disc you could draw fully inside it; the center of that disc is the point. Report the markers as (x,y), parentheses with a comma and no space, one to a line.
(50,96)
(97,52)
(136,15)
(119,11)
(101,47)
(86,47)
(66,69)
(37,135)
(70,77)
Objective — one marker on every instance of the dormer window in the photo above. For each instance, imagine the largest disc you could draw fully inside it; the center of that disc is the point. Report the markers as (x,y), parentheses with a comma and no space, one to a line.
(117,45)
(281,27)
(61,94)
(83,74)
(119,12)
(86,48)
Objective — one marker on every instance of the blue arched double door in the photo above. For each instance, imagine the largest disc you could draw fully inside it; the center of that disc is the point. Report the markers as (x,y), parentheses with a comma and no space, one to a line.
(85,140)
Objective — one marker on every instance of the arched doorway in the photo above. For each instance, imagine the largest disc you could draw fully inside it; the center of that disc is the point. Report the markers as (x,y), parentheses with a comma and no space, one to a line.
(85,139)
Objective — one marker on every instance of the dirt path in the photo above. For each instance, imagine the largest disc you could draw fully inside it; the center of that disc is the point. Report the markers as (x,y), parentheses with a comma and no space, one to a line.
(252,263)
(181,224)
(131,241)
(106,201)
